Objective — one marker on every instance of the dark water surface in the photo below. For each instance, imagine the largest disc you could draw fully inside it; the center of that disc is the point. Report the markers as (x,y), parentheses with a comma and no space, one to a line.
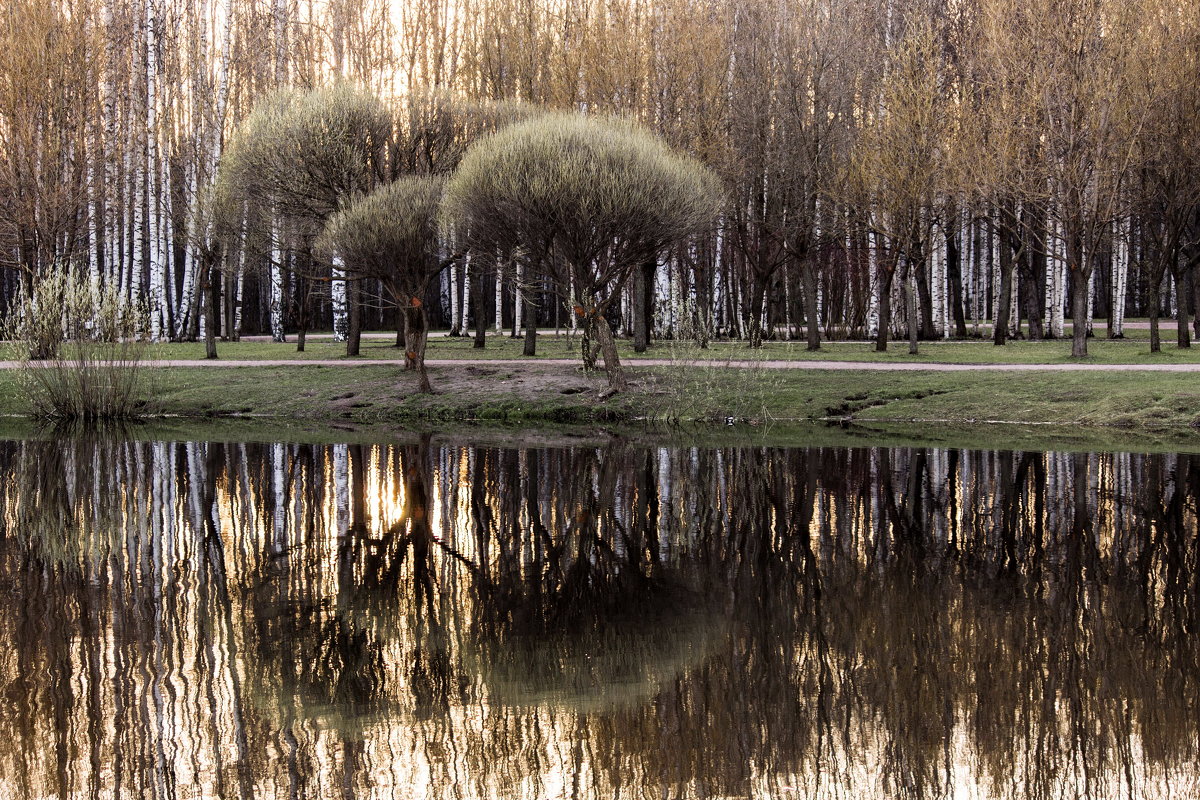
(182,620)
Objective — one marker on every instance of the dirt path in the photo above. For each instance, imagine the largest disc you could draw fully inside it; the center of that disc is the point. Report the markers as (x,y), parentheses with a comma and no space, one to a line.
(851,366)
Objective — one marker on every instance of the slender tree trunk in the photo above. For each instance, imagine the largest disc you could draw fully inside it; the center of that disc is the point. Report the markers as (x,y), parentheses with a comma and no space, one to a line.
(354,314)
(910,285)
(1155,288)
(207,306)
(954,279)
(1183,337)
(755,322)
(477,285)
(1195,304)
(1004,305)
(416,336)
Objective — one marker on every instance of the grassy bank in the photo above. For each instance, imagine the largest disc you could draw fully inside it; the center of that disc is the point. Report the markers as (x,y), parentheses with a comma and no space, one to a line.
(556,393)
(1133,350)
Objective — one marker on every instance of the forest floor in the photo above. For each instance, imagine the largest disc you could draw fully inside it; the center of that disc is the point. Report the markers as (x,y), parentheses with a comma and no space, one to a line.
(964,384)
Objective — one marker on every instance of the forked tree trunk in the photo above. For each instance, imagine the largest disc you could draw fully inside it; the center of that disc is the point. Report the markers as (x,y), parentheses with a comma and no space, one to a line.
(416,336)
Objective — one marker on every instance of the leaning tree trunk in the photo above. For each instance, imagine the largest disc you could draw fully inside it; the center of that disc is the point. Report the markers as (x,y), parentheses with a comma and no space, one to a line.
(416,336)
(608,349)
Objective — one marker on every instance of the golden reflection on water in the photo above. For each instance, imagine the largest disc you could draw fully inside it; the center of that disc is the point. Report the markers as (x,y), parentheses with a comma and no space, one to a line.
(419,620)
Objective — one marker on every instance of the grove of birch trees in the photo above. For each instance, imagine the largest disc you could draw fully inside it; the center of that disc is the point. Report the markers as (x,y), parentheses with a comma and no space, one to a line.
(913,169)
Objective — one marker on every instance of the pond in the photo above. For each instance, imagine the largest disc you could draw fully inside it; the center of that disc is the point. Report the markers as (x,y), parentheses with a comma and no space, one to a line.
(605,620)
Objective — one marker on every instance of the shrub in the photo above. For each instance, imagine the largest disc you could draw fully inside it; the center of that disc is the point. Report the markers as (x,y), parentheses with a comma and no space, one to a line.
(79,347)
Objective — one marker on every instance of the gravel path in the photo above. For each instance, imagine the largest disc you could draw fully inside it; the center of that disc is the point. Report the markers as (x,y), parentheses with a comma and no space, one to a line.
(852,366)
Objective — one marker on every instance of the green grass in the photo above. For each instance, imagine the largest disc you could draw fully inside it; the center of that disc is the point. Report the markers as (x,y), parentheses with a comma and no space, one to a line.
(1100,351)
(1110,404)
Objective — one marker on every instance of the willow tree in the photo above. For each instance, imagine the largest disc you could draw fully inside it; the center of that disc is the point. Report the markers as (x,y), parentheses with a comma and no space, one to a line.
(582,202)
(306,155)
(391,235)
(897,169)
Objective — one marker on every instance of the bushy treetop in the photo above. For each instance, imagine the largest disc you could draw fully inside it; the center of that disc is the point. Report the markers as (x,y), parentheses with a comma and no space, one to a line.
(581,189)
(390,234)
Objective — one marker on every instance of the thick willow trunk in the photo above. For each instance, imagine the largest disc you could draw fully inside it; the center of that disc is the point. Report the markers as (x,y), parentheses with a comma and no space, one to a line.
(884,294)
(608,349)
(1079,298)
(808,274)
(643,305)
(416,337)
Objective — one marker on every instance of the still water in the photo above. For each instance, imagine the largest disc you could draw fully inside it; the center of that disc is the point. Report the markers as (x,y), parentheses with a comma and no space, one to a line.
(420,619)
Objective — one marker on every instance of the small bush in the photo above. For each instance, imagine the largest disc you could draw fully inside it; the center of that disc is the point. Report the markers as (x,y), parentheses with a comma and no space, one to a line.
(80,348)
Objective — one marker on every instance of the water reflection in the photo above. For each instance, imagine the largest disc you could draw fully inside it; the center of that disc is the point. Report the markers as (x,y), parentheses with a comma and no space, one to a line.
(229,620)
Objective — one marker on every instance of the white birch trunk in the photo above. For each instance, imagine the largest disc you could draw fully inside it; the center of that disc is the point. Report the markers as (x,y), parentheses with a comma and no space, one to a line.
(499,303)
(154,258)
(873,284)
(1120,276)
(466,294)
(276,288)
(339,300)
(455,300)
(518,305)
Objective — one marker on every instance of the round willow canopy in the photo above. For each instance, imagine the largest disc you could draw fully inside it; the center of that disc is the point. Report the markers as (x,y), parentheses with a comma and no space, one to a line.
(390,234)
(307,152)
(579,190)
